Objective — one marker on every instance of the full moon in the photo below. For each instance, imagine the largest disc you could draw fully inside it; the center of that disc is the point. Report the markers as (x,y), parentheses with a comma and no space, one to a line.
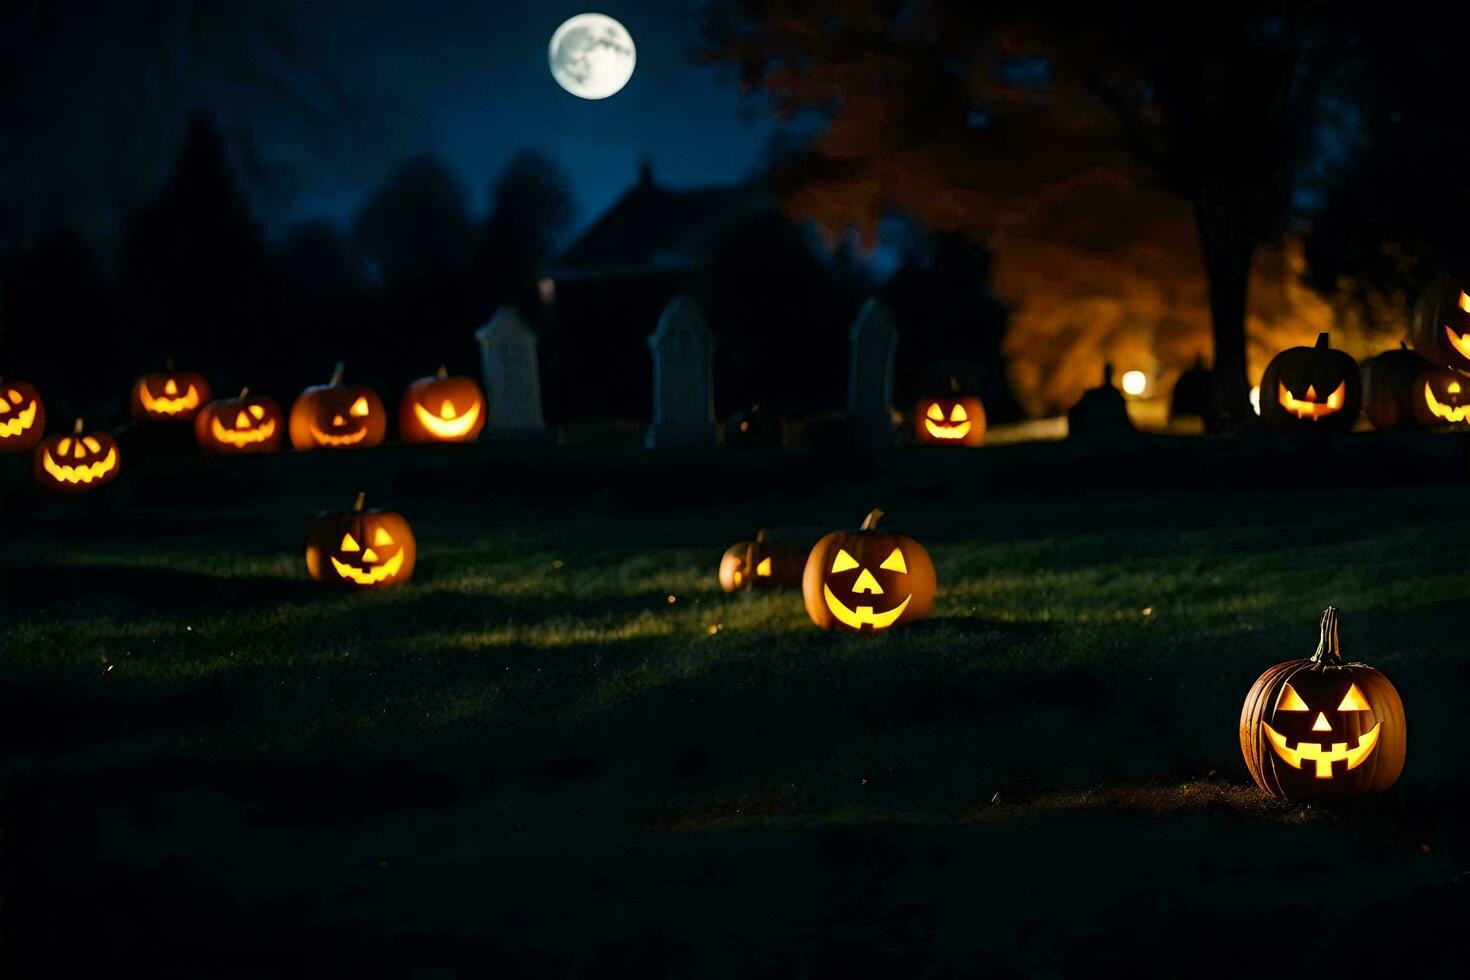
(592,56)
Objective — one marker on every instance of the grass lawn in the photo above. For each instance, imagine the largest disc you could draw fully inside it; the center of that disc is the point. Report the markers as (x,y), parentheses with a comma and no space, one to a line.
(562,751)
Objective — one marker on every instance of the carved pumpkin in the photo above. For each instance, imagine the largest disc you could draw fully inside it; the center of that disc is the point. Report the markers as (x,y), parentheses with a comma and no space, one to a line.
(760,564)
(441,409)
(1441,397)
(1320,727)
(360,549)
(22,417)
(950,420)
(234,426)
(169,396)
(76,462)
(867,579)
(1388,387)
(1440,326)
(1312,388)
(338,416)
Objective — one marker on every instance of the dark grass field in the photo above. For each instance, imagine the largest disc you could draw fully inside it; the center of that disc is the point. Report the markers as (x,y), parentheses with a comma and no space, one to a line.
(561,751)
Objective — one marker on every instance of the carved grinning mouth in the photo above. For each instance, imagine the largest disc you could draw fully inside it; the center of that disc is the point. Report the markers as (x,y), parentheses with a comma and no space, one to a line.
(168,406)
(941,431)
(370,576)
(327,439)
(19,424)
(81,473)
(1323,754)
(1449,413)
(449,426)
(1307,407)
(243,437)
(863,615)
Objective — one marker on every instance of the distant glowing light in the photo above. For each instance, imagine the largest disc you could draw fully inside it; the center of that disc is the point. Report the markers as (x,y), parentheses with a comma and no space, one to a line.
(1135,382)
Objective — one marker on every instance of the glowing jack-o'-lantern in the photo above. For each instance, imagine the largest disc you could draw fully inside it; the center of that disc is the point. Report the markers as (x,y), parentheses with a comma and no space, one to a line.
(1311,387)
(169,396)
(760,564)
(1320,727)
(338,416)
(441,409)
(1389,382)
(76,462)
(22,417)
(1442,397)
(234,426)
(867,579)
(952,420)
(1440,326)
(360,549)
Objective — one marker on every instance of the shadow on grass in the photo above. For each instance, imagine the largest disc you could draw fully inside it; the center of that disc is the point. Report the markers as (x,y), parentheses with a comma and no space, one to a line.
(112,588)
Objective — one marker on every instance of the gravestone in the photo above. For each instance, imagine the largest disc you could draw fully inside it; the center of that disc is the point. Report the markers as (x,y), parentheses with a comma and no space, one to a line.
(683,351)
(872,342)
(512,376)
(1101,412)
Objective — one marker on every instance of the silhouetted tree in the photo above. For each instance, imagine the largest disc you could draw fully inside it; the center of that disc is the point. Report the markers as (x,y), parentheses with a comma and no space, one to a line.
(323,297)
(969,116)
(418,240)
(530,210)
(194,272)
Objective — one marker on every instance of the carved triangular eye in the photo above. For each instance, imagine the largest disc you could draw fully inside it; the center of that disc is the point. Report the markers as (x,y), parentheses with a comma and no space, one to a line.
(258,411)
(1464,301)
(381,537)
(959,414)
(14,397)
(1353,700)
(359,407)
(895,562)
(764,568)
(349,543)
(92,444)
(1291,701)
(935,412)
(63,446)
(843,562)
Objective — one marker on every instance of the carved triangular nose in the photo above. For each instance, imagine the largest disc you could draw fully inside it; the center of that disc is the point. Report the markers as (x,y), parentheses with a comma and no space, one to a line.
(242,421)
(338,420)
(1321,725)
(867,583)
(170,388)
(446,411)
(1311,394)
(369,556)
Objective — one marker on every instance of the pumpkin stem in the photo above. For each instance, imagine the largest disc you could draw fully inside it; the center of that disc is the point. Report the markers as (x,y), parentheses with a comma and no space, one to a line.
(870,523)
(357,504)
(1403,345)
(1322,341)
(337,373)
(77,429)
(760,536)
(443,372)
(243,393)
(1107,374)
(1329,650)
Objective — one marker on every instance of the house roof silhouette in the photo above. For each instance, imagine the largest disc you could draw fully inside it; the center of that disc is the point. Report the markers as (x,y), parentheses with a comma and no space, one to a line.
(658,229)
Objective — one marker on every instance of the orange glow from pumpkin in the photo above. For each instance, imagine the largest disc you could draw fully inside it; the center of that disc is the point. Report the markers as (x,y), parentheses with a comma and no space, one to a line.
(1449,413)
(448,425)
(81,472)
(170,402)
(1320,753)
(1308,407)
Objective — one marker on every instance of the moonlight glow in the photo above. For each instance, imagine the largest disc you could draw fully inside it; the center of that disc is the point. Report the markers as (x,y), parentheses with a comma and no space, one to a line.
(1135,382)
(592,56)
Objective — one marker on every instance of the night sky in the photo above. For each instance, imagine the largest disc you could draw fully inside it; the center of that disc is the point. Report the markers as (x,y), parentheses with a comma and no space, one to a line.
(468,81)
